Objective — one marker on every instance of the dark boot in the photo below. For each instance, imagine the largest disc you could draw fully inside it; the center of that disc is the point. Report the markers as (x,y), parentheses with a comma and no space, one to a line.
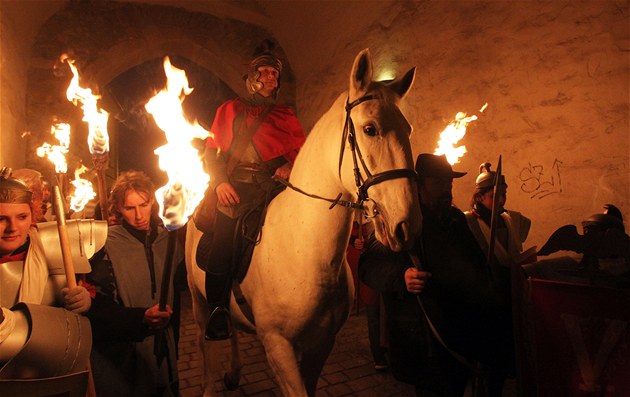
(219,325)
(219,279)
(218,295)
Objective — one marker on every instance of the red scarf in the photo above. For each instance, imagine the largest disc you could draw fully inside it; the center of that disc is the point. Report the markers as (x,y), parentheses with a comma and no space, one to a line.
(280,134)
(13,258)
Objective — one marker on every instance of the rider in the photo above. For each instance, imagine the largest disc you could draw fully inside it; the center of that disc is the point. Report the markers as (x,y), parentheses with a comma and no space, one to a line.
(254,140)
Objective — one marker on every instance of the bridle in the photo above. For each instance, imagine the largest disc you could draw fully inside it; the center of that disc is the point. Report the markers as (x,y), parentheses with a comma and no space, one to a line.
(362,184)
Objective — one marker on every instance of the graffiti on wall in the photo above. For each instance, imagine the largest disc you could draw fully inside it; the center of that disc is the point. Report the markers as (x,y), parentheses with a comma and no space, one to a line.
(540,183)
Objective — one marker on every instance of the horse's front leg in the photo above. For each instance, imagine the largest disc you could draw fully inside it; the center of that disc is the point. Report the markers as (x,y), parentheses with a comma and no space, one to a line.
(200,315)
(312,362)
(283,361)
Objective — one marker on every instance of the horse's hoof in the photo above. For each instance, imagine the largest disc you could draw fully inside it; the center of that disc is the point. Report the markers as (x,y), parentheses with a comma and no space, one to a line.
(231,386)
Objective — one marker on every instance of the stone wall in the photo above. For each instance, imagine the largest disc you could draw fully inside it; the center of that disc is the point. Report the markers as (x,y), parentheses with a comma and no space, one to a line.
(555,75)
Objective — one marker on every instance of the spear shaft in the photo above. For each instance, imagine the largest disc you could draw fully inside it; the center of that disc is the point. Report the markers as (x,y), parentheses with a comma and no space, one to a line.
(495,214)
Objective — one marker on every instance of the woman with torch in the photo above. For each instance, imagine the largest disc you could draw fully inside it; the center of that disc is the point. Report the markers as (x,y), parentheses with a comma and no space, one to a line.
(29,286)
(125,315)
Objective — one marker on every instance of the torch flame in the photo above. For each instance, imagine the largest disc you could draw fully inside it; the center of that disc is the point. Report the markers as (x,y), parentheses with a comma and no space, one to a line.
(57,153)
(452,134)
(187,180)
(98,138)
(83,191)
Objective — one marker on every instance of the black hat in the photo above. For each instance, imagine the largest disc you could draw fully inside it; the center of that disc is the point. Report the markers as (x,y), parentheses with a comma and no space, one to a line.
(435,166)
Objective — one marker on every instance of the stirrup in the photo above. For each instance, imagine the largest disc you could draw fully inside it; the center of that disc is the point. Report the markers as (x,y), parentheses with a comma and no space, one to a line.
(219,324)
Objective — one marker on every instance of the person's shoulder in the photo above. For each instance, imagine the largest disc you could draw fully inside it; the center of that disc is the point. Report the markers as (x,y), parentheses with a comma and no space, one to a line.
(284,109)
(115,231)
(230,106)
(232,103)
(457,214)
(516,214)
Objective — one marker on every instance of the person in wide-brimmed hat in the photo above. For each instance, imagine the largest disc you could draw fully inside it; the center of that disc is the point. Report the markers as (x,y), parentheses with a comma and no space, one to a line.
(435,176)
(455,287)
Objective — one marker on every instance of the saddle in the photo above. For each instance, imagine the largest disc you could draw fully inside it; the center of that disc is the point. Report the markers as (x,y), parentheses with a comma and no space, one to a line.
(246,237)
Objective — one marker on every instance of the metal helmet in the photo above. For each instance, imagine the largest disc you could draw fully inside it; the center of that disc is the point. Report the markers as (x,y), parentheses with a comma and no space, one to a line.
(252,76)
(12,190)
(611,218)
(487,178)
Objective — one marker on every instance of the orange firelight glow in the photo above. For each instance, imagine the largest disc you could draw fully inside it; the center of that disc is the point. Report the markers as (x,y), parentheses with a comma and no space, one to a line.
(98,137)
(187,181)
(57,153)
(452,134)
(83,191)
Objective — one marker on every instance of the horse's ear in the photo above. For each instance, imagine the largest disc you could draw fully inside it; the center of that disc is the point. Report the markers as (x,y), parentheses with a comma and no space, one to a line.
(402,85)
(361,75)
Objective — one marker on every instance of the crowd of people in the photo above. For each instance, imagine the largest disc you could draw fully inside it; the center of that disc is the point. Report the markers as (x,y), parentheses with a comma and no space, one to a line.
(446,303)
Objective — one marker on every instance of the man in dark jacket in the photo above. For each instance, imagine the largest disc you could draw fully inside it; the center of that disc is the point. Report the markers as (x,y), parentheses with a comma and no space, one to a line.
(134,341)
(452,284)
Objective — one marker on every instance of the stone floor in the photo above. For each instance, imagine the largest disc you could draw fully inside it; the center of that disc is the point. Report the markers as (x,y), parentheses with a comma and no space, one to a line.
(349,370)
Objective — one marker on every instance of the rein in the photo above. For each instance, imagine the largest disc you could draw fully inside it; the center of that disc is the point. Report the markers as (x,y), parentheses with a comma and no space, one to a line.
(335,201)
(362,184)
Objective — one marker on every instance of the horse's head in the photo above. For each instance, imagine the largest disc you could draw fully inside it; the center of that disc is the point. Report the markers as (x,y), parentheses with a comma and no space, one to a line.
(376,154)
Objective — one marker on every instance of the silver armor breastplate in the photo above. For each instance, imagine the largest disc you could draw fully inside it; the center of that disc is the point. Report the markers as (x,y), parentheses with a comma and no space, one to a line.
(86,237)
(11,279)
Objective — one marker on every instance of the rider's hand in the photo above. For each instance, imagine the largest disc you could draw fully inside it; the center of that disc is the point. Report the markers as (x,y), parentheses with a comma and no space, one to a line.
(358,243)
(415,280)
(157,319)
(283,172)
(226,194)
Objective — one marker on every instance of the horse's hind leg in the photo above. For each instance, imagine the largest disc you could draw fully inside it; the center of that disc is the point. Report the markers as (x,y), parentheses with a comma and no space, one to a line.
(232,378)
(284,363)
(312,364)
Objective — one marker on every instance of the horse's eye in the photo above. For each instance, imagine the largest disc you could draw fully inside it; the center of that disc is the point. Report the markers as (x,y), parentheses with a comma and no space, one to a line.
(370,130)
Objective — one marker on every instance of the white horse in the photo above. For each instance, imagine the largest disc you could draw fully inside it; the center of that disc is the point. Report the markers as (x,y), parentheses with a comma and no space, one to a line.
(299,285)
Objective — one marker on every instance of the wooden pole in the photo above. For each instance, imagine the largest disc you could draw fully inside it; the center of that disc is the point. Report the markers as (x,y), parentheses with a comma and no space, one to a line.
(101,163)
(66,252)
(168,269)
(159,342)
(68,265)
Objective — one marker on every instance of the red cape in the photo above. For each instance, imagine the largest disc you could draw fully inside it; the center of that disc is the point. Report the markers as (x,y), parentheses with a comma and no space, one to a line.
(280,134)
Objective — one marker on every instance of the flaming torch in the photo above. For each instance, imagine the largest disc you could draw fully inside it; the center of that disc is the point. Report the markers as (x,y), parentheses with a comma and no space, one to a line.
(98,138)
(452,134)
(56,154)
(83,191)
(187,181)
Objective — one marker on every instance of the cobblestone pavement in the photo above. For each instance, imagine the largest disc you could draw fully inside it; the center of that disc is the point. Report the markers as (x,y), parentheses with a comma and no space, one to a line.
(349,370)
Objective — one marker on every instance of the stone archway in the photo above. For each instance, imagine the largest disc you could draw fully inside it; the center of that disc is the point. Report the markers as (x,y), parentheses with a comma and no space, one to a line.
(109,39)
